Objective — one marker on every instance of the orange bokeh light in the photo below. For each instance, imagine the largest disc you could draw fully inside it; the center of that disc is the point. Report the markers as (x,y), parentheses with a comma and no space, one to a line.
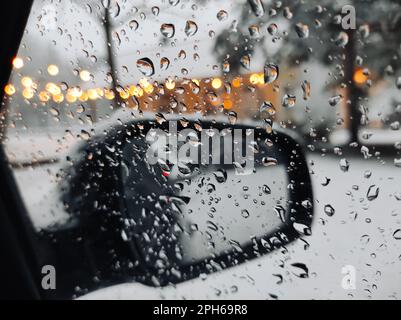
(360,77)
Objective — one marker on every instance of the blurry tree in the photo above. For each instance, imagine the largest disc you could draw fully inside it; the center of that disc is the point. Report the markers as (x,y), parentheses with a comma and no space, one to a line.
(316,31)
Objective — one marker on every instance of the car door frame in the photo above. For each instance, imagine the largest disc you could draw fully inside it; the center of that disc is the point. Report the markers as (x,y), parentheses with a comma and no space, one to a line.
(20,276)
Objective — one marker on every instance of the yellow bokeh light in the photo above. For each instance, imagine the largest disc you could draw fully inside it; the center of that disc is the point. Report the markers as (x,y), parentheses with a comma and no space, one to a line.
(52,69)
(26,82)
(136,91)
(84,96)
(216,83)
(109,94)
(53,88)
(18,63)
(93,94)
(70,98)
(124,94)
(149,89)
(9,89)
(28,93)
(44,96)
(170,84)
(254,78)
(360,77)
(237,82)
(58,98)
(144,83)
(75,92)
(85,75)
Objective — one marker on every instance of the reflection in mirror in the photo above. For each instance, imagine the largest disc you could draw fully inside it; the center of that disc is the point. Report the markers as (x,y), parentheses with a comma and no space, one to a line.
(187,211)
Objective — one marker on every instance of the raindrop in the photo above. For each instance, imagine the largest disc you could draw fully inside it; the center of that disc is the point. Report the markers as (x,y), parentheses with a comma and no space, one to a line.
(220,175)
(212,226)
(344,165)
(272,29)
(245,213)
(306,89)
(164,63)
(232,117)
(167,30)
(372,193)
(257,7)
(342,39)
(268,107)
(246,61)
(254,31)
(271,72)
(190,28)
(333,101)
(133,24)
(266,189)
(300,270)
(222,15)
(302,30)
(160,118)
(155,11)
(329,210)
(226,66)
(145,65)
(326,182)
(397,234)
(287,13)
(269,161)
(289,101)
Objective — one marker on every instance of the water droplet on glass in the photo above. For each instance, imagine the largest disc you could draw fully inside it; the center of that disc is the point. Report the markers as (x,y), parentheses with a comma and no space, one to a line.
(254,31)
(287,13)
(257,7)
(246,61)
(222,15)
(397,234)
(289,101)
(271,72)
(190,28)
(232,117)
(145,65)
(245,213)
(133,24)
(333,101)
(302,30)
(342,39)
(268,107)
(373,192)
(329,210)
(164,63)
(306,89)
(269,161)
(167,30)
(266,189)
(272,29)
(300,270)
(344,165)
(220,175)
(155,10)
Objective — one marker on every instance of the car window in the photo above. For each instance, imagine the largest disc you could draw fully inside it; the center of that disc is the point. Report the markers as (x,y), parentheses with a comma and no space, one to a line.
(89,76)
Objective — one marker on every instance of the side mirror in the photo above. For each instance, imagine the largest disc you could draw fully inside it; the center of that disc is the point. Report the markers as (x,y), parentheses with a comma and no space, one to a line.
(169,201)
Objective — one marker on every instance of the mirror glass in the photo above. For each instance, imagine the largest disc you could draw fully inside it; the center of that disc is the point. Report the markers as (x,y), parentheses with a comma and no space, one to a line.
(188,210)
